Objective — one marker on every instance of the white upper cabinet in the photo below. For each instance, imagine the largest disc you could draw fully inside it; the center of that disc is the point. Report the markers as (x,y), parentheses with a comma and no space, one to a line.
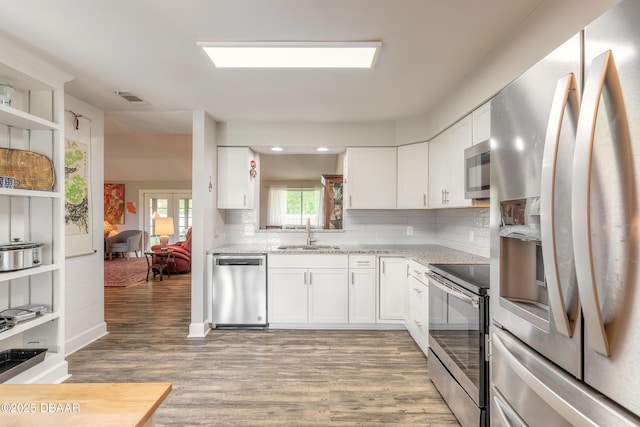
(446,166)
(236,187)
(482,123)
(413,176)
(370,178)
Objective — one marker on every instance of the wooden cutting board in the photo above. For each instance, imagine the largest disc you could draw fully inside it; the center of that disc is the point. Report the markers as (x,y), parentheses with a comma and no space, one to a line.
(29,170)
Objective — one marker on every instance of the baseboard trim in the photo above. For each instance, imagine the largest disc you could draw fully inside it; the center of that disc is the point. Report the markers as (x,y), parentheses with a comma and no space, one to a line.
(199,330)
(85,338)
(339,326)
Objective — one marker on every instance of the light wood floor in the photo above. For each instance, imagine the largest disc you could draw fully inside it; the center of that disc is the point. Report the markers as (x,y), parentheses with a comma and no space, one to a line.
(258,377)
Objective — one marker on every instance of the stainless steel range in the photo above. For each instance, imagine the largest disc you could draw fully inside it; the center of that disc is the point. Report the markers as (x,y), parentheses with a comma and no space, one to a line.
(458,339)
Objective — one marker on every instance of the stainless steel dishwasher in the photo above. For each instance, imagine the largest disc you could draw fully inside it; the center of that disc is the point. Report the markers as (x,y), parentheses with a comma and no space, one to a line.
(240,290)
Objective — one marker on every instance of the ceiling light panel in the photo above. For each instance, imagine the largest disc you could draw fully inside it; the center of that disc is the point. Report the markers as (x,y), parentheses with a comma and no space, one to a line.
(292,54)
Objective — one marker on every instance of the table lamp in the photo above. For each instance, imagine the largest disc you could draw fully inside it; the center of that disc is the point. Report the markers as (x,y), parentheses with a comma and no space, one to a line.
(108,228)
(164,227)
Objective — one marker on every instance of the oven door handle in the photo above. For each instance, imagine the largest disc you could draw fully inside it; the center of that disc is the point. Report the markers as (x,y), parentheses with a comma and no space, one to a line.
(474,301)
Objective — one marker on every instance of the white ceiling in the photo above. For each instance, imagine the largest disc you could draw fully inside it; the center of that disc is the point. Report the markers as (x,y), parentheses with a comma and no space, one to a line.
(149,47)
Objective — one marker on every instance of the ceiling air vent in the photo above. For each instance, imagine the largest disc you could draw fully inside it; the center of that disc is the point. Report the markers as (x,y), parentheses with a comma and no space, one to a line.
(126,94)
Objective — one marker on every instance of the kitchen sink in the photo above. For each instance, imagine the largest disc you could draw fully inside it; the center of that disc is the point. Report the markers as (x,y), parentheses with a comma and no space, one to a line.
(307,247)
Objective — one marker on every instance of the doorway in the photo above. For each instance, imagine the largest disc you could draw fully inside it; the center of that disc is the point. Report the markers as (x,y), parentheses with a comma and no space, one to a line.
(175,204)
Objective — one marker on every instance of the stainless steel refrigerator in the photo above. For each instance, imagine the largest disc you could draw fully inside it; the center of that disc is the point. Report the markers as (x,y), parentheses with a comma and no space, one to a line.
(565,263)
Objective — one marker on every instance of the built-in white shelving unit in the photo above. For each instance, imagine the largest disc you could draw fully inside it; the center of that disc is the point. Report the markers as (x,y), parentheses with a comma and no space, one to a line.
(34,122)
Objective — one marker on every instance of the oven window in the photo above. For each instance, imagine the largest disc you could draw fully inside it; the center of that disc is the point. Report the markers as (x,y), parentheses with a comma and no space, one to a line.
(454,324)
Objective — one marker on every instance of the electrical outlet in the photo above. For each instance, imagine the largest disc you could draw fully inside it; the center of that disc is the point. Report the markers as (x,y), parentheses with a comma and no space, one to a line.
(471,236)
(409,230)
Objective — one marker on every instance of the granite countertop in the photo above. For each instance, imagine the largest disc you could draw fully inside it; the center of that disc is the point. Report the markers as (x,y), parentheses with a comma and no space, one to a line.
(423,254)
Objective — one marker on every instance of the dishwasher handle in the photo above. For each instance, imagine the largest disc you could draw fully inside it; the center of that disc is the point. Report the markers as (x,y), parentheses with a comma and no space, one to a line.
(239,261)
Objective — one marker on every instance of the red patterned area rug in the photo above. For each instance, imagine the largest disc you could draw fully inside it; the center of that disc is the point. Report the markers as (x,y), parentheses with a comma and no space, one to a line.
(120,272)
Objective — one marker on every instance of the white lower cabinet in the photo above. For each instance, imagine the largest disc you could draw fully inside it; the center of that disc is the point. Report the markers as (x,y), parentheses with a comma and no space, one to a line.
(328,296)
(287,295)
(392,288)
(308,289)
(417,315)
(362,289)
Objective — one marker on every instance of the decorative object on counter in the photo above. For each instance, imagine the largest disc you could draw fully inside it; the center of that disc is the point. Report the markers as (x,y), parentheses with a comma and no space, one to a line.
(6,92)
(29,170)
(121,273)
(253,172)
(114,203)
(164,228)
(18,360)
(18,255)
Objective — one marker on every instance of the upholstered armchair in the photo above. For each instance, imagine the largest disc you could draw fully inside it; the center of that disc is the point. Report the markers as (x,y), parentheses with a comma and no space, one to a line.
(125,242)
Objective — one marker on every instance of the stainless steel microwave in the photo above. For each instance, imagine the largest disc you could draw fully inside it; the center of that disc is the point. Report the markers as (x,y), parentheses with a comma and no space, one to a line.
(476,171)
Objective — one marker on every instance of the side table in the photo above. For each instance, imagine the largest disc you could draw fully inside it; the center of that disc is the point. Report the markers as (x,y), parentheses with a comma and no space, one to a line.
(158,261)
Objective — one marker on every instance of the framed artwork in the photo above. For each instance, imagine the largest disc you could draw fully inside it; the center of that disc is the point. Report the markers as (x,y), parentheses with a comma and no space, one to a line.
(77,199)
(114,203)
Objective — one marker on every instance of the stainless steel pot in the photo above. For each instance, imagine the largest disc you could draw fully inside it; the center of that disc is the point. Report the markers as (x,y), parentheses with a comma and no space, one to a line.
(20,255)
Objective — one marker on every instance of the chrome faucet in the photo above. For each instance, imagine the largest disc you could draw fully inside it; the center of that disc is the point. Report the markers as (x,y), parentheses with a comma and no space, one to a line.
(310,241)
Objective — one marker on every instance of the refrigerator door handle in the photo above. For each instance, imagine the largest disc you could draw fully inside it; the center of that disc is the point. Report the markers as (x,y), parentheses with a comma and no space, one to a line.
(507,414)
(565,94)
(539,383)
(602,73)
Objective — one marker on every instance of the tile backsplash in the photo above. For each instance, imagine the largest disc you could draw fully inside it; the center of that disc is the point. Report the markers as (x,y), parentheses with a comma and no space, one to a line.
(453,228)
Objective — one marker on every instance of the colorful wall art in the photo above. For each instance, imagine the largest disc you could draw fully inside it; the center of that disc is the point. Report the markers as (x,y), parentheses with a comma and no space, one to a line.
(114,203)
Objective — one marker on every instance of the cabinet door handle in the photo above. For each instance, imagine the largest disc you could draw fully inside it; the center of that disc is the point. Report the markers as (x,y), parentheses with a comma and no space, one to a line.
(384,267)
(417,290)
(424,200)
(305,277)
(309,278)
(244,201)
(353,278)
(442,197)
(350,200)
(418,324)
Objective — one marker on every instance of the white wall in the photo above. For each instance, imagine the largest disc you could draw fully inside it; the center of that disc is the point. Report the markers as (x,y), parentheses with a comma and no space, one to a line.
(208,222)
(84,275)
(147,157)
(311,134)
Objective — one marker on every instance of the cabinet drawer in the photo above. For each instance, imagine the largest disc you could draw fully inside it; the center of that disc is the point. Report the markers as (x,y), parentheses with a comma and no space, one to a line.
(419,298)
(362,261)
(307,261)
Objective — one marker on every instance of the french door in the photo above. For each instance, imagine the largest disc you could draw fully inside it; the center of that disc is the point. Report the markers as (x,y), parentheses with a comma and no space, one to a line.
(176,205)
